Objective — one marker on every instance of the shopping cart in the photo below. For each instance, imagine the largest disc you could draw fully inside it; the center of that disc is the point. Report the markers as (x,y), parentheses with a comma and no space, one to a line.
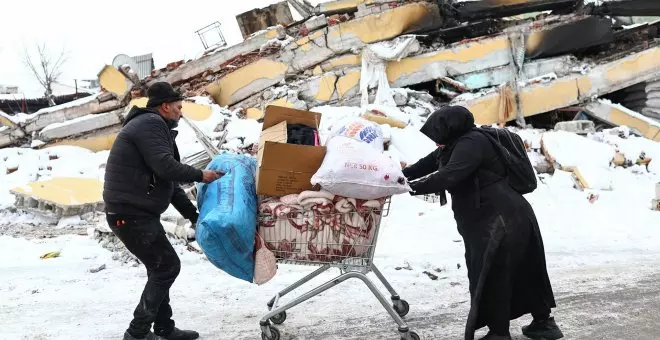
(354,259)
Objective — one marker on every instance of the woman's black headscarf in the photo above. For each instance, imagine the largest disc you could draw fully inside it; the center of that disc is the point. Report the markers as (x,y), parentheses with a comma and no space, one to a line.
(447,124)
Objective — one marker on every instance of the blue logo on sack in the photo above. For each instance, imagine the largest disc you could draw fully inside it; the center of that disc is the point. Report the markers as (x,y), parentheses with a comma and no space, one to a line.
(368,134)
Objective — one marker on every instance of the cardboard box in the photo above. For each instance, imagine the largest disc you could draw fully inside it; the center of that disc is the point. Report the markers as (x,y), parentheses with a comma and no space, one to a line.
(283,168)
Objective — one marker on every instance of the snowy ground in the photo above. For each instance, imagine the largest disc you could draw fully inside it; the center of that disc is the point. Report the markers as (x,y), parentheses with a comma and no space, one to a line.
(603,258)
(592,249)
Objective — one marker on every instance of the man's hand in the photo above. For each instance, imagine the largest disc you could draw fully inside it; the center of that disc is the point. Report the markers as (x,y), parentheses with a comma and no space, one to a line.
(209,176)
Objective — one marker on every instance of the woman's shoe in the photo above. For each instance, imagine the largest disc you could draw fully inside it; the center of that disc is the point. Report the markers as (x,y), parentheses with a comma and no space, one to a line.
(543,330)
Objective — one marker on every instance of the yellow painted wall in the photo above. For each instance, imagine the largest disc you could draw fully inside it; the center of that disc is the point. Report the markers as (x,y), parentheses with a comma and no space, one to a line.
(548,97)
(345,5)
(272,33)
(4,121)
(464,53)
(326,87)
(192,111)
(65,190)
(339,62)
(347,82)
(305,43)
(634,66)
(385,25)
(620,117)
(114,81)
(484,109)
(539,98)
(257,113)
(223,89)
(93,143)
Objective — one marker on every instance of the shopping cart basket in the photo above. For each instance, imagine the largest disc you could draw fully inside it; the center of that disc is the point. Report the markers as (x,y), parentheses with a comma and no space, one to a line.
(346,240)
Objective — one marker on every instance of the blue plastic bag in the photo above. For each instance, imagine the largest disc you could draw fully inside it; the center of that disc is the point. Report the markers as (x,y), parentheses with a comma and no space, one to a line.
(227,221)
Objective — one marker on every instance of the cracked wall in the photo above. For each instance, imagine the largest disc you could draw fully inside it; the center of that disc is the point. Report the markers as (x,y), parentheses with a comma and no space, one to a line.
(80,126)
(213,61)
(320,46)
(572,89)
(618,115)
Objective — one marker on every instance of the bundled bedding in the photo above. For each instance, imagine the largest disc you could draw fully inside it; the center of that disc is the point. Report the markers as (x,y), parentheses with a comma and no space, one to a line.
(317,226)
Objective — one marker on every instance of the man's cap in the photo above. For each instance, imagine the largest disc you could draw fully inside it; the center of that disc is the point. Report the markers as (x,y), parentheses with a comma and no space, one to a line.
(162,92)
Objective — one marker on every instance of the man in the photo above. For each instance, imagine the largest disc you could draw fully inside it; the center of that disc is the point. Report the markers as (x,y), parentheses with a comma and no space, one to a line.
(141,180)
(503,244)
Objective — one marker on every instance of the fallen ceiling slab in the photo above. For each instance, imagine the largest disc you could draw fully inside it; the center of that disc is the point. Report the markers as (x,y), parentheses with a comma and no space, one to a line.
(569,90)
(618,115)
(477,10)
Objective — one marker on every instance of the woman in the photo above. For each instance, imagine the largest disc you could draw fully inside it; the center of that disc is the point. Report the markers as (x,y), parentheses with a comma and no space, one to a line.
(503,245)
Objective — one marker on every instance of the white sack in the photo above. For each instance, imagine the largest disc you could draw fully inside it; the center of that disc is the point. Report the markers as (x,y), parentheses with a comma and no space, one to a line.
(354,169)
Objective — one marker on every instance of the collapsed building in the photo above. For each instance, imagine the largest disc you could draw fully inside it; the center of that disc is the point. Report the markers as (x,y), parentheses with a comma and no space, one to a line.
(520,62)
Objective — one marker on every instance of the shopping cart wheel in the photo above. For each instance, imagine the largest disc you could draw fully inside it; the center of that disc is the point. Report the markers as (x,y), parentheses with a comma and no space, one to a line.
(401,307)
(275,334)
(279,318)
(410,336)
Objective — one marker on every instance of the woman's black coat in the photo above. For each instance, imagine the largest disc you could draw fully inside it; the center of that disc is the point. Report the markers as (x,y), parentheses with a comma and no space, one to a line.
(503,245)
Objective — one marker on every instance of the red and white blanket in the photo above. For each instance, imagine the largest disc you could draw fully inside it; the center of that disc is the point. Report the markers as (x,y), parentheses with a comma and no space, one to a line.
(317,226)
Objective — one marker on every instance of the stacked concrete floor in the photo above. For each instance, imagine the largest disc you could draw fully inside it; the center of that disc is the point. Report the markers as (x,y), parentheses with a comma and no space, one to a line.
(504,61)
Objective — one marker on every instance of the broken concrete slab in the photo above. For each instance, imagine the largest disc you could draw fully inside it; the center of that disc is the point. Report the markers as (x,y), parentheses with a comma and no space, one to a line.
(626,8)
(580,127)
(10,136)
(68,111)
(94,141)
(561,38)
(212,62)
(340,6)
(315,23)
(247,81)
(406,19)
(115,82)
(449,62)
(320,46)
(618,115)
(60,196)
(192,111)
(571,89)
(560,66)
(80,125)
(343,61)
(478,10)
(259,19)
(482,54)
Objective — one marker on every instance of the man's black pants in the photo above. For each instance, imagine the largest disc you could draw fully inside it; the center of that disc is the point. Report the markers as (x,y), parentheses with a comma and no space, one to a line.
(146,239)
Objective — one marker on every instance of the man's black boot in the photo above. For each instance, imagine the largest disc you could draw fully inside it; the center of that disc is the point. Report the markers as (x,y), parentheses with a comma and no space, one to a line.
(493,336)
(178,334)
(543,330)
(149,336)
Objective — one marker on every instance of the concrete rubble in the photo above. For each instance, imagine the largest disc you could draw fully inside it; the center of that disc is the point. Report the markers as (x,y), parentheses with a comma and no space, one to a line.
(479,54)
(507,61)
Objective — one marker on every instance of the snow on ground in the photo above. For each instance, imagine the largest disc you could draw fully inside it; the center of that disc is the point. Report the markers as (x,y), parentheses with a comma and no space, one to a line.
(30,165)
(617,232)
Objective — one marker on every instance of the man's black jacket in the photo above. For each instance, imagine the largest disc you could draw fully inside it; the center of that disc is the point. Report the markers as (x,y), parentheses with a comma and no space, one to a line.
(143,171)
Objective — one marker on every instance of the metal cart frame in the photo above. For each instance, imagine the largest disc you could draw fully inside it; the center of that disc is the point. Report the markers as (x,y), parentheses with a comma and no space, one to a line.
(351,267)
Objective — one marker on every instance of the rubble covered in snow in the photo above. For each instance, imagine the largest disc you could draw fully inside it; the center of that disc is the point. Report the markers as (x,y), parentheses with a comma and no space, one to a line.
(393,62)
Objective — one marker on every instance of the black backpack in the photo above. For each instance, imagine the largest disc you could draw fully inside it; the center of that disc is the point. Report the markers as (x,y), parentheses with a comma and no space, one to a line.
(511,149)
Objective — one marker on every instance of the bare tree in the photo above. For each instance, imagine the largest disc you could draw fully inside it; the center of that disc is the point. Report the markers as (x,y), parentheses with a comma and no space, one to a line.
(47,69)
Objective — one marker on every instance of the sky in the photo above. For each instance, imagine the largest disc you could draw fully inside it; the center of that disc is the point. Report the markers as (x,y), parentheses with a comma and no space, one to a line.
(94,32)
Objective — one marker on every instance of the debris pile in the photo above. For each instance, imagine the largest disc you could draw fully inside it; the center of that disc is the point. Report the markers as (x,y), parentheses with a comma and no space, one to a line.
(494,57)
(393,62)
